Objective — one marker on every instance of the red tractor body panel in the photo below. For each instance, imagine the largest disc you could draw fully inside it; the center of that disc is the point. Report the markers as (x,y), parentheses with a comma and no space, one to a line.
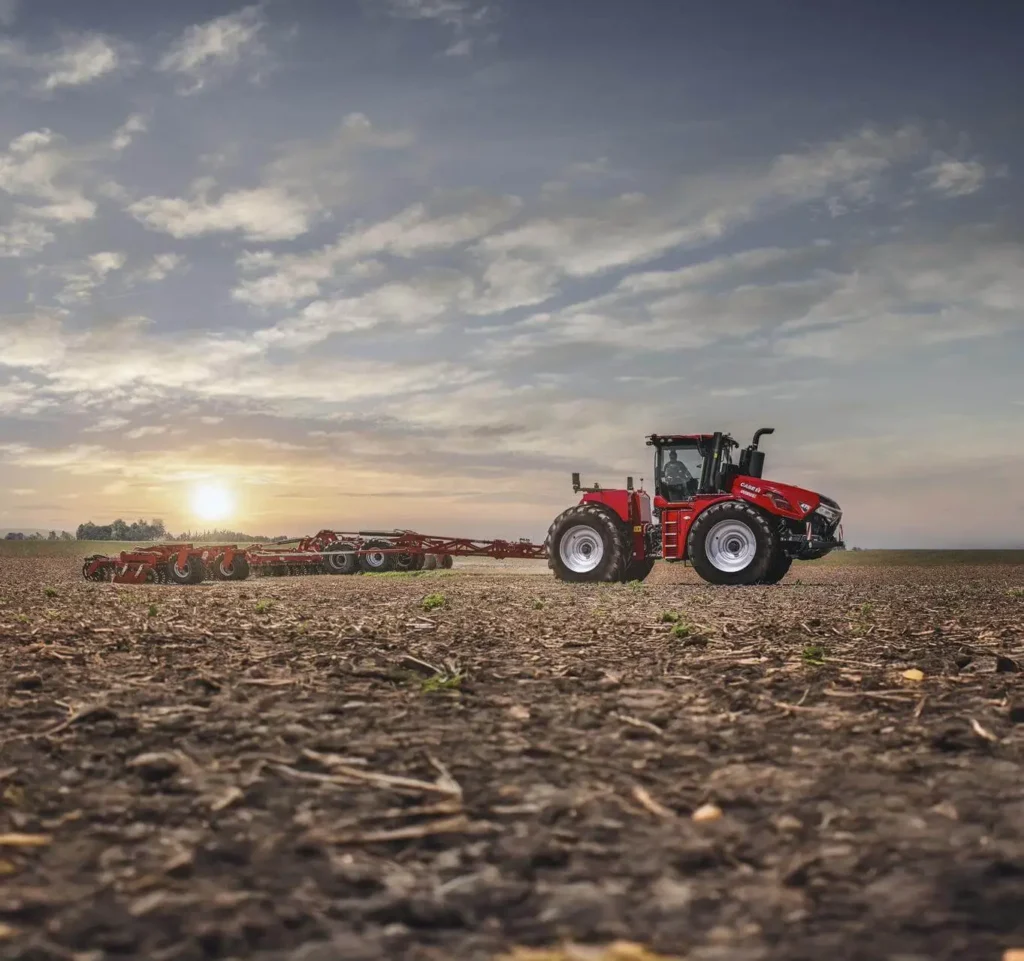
(780,500)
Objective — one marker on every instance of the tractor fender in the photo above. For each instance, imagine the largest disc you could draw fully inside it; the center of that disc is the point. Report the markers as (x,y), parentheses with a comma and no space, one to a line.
(688,518)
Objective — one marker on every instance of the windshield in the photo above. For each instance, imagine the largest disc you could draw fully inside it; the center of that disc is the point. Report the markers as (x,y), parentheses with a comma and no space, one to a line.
(678,469)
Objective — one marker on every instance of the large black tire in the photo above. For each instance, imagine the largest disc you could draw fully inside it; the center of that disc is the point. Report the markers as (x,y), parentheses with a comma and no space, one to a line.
(337,562)
(237,571)
(778,567)
(191,573)
(587,543)
(638,570)
(379,564)
(731,543)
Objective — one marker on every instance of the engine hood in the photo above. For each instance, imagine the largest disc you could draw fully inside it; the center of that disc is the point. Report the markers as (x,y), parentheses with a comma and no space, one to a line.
(803,501)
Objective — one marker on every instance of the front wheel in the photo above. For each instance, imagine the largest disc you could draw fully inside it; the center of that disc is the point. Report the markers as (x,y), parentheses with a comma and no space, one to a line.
(778,568)
(587,545)
(731,543)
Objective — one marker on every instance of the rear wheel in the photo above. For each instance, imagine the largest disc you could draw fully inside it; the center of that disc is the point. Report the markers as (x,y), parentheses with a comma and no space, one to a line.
(731,543)
(375,562)
(587,543)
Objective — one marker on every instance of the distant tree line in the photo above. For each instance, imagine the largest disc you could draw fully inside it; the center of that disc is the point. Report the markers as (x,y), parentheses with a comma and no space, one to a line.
(227,537)
(120,531)
(37,536)
(155,530)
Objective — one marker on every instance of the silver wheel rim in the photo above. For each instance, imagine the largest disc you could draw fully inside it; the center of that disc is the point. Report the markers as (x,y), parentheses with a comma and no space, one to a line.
(581,549)
(731,546)
(376,559)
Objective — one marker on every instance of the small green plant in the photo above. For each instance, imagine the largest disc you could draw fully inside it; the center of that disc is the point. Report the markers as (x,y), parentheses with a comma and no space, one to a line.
(264,606)
(432,601)
(152,612)
(682,629)
(538,605)
(635,585)
(23,618)
(669,617)
(50,592)
(444,681)
(814,654)
(1016,592)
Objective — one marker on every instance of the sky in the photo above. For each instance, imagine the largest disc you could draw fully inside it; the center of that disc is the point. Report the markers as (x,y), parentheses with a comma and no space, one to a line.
(410,263)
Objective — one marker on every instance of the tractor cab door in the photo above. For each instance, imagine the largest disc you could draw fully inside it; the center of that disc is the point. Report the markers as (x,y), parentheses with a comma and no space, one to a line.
(677,470)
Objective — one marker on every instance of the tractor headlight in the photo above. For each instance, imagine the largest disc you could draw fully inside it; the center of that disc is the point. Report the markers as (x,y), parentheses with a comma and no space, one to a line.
(830,514)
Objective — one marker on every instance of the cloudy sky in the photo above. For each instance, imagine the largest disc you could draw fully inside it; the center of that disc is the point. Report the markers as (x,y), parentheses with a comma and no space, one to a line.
(412,262)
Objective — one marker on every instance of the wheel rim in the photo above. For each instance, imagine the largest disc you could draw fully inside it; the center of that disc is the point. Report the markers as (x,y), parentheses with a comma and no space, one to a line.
(731,546)
(182,571)
(581,549)
(376,559)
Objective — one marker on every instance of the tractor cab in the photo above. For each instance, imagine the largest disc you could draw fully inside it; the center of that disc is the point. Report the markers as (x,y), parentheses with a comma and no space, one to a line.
(689,465)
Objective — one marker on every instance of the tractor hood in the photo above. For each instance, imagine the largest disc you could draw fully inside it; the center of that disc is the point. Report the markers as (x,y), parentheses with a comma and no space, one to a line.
(795,502)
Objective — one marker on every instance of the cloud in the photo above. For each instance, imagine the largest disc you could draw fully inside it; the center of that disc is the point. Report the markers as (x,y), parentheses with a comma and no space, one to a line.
(297,187)
(672,310)
(212,50)
(450,220)
(37,166)
(162,266)
(464,18)
(81,59)
(80,282)
(8,12)
(902,296)
(954,178)
(584,239)
(23,237)
(125,134)
(262,213)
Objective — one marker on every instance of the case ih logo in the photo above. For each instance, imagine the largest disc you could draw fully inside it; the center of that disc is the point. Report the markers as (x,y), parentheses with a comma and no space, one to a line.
(751,488)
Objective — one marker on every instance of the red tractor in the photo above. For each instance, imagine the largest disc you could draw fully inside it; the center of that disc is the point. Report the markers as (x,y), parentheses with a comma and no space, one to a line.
(731,525)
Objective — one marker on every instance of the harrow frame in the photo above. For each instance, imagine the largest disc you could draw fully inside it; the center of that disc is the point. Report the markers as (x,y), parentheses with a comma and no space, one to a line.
(326,552)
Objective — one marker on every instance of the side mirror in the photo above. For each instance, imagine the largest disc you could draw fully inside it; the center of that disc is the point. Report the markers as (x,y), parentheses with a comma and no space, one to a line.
(576,481)
(629,483)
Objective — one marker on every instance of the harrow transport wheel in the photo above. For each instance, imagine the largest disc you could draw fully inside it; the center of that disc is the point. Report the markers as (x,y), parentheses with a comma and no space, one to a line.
(336,561)
(778,568)
(587,543)
(237,570)
(408,562)
(731,543)
(376,563)
(430,562)
(445,561)
(191,573)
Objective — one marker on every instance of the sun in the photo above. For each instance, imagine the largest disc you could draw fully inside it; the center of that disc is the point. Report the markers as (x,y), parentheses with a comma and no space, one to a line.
(212,502)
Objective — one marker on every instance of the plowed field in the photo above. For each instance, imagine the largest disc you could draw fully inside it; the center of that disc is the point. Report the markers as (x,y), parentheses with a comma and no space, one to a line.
(473,763)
